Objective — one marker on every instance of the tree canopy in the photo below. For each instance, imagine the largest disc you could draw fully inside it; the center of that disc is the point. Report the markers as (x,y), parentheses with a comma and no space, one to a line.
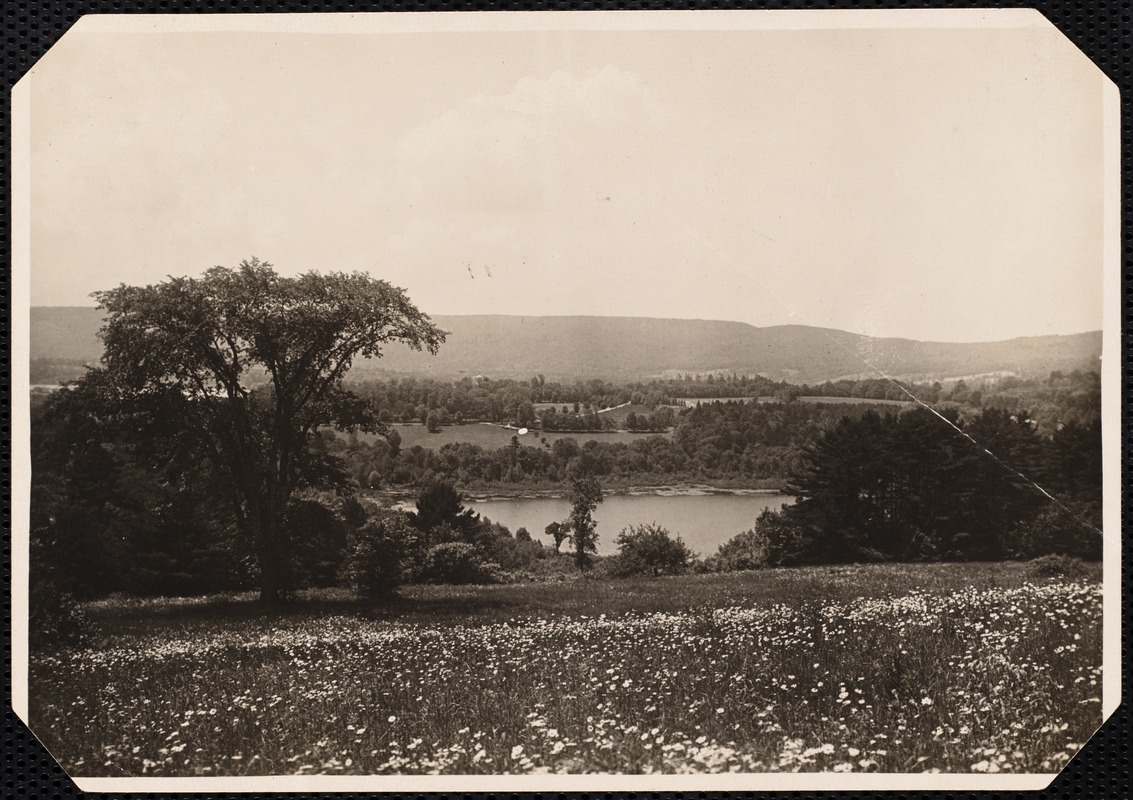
(242,367)
(650,550)
(928,485)
(585,494)
(440,504)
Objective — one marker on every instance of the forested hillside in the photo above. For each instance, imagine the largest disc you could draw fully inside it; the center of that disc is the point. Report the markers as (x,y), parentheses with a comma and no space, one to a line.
(634,348)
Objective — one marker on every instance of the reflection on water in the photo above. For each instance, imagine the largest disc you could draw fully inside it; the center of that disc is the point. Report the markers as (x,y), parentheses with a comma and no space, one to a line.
(703,521)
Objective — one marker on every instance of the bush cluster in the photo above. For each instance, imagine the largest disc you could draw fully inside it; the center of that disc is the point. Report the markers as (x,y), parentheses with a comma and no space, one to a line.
(649,550)
(1061,566)
(456,563)
(442,541)
(380,554)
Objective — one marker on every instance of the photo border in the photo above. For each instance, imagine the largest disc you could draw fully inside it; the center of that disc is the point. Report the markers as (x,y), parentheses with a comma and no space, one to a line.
(33,29)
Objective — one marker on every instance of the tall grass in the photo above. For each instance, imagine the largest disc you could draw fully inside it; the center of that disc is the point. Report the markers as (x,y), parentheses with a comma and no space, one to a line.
(892,668)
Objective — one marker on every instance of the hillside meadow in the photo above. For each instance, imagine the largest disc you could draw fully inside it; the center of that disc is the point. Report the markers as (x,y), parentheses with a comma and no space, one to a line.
(893,668)
(491,436)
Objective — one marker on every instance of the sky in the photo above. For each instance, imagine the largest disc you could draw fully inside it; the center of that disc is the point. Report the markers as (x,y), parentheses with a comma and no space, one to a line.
(929,183)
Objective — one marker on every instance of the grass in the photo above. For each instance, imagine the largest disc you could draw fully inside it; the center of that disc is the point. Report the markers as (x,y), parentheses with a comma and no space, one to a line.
(619,413)
(491,436)
(694,401)
(853,401)
(887,667)
(806,398)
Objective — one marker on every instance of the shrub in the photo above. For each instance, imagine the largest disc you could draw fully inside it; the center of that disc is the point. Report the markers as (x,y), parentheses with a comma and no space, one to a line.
(870,555)
(1060,566)
(512,553)
(354,513)
(55,620)
(1071,530)
(380,554)
(922,546)
(788,542)
(747,550)
(553,568)
(458,562)
(649,550)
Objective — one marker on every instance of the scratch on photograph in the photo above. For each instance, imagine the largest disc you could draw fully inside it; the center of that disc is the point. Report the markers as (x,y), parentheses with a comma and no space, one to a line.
(552,401)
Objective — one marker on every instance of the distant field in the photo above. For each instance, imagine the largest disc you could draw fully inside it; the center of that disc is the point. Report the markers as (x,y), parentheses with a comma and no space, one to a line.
(620,413)
(853,401)
(557,406)
(809,398)
(696,401)
(493,436)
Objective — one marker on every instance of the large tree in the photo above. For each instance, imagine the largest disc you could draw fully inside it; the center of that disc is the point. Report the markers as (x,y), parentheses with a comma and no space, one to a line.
(242,367)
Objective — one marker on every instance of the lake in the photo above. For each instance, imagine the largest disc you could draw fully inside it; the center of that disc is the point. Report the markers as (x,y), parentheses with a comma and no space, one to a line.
(704,521)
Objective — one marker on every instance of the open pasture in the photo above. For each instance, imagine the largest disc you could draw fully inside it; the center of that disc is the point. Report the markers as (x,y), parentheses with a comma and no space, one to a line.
(619,413)
(894,668)
(557,406)
(491,436)
(854,401)
(692,402)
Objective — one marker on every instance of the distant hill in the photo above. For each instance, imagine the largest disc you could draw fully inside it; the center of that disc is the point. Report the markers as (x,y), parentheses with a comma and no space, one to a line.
(619,348)
(65,333)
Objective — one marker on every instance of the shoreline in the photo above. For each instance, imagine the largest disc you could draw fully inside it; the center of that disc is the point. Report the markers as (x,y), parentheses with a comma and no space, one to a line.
(395,496)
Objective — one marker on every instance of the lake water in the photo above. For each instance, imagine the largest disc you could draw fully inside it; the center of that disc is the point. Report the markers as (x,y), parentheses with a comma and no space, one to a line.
(703,521)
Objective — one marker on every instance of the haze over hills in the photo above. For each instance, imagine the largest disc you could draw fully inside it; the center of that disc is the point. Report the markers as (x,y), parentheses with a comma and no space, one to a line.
(620,348)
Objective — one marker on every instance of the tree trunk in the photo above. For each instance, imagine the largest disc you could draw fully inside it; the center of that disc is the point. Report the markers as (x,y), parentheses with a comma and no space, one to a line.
(271,588)
(270,556)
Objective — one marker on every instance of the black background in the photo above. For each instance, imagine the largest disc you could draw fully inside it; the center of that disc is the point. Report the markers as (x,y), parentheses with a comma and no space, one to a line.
(1100,29)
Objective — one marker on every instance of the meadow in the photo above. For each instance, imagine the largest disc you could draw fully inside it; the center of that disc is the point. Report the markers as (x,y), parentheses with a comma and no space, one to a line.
(491,436)
(854,401)
(894,668)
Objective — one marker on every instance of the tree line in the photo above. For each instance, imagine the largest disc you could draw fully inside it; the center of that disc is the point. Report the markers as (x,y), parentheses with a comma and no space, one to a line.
(199,454)
(871,487)
(724,442)
(1059,397)
(925,486)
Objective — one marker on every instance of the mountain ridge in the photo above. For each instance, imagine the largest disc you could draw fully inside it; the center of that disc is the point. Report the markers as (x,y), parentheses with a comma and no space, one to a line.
(632,348)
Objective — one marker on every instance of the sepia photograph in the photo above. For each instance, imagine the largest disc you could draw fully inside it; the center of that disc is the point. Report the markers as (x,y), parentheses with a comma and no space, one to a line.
(578,400)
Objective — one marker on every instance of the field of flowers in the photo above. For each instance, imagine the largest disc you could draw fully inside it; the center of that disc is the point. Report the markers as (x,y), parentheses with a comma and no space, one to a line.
(994,674)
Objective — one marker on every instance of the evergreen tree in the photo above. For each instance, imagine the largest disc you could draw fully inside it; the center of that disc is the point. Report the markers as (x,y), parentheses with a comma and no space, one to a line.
(439,506)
